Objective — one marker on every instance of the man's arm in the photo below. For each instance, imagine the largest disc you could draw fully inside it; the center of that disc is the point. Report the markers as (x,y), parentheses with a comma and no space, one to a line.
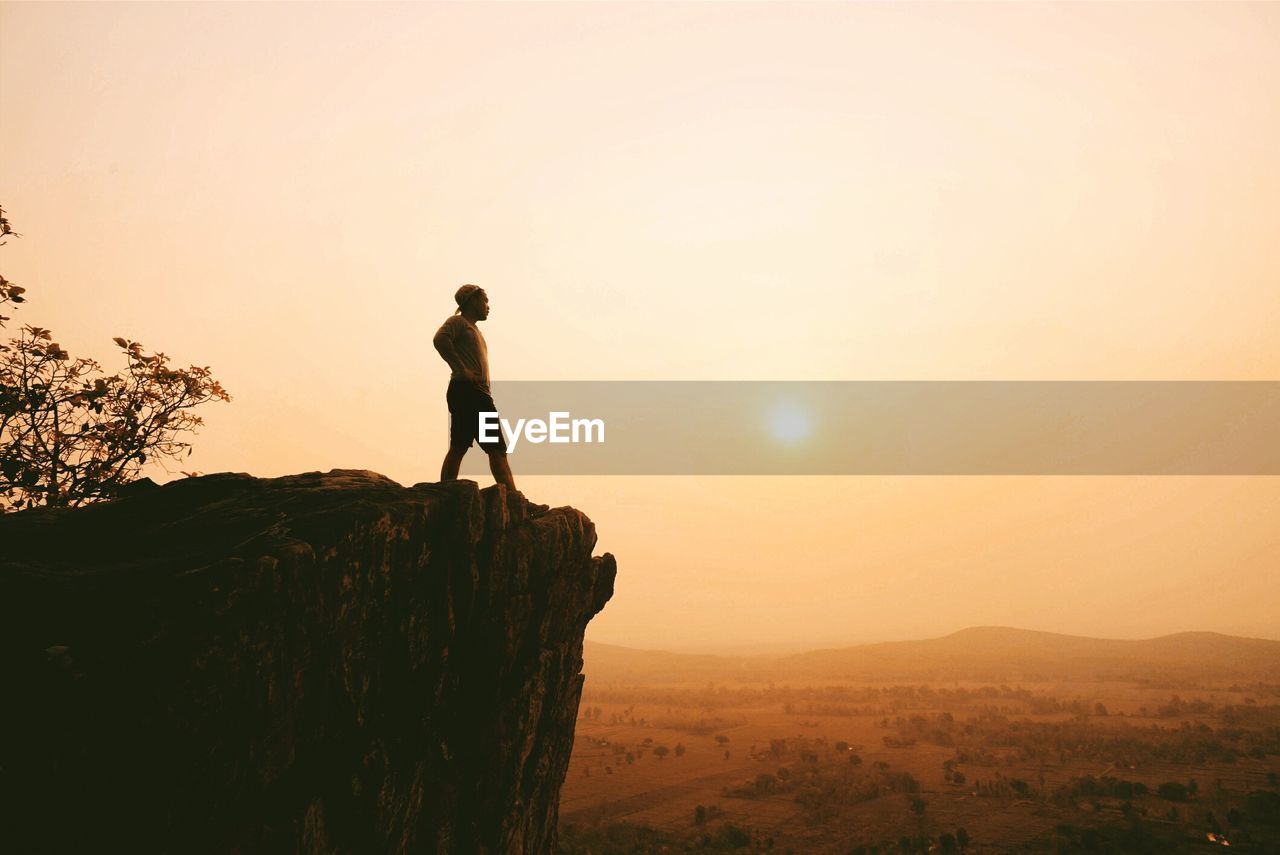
(443,342)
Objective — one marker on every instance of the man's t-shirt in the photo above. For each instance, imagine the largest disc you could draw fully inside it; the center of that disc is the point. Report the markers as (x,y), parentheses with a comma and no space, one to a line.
(469,346)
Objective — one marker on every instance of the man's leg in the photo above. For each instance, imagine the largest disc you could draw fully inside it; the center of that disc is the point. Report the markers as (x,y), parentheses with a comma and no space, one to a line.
(452,463)
(501,469)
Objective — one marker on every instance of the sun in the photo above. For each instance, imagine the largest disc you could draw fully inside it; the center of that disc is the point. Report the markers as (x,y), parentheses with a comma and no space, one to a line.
(790,423)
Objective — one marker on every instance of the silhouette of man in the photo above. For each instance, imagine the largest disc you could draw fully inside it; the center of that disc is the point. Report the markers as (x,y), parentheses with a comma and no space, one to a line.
(462,346)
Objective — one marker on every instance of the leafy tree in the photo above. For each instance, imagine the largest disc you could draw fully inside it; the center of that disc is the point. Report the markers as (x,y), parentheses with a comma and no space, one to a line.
(661,751)
(1264,805)
(68,434)
(731,836)
(9,292)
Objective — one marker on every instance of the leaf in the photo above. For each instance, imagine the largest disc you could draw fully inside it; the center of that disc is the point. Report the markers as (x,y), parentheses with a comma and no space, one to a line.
(120,341)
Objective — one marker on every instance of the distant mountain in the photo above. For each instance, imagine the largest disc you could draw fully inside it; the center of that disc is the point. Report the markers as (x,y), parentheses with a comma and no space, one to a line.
(612,662)
(989,653)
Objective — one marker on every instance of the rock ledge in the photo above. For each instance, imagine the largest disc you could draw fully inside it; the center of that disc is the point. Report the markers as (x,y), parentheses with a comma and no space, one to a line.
(325,662)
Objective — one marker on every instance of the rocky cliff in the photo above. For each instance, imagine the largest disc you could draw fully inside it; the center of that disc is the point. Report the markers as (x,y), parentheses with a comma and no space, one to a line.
(317,663)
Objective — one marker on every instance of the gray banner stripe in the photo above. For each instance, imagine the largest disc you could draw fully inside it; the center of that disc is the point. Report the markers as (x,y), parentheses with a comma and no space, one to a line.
(900,428)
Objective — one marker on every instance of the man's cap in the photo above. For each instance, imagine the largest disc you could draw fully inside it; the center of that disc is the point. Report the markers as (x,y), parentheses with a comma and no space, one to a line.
(465,293)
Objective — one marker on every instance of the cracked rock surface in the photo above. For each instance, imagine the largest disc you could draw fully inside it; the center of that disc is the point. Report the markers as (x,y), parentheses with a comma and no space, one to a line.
(320,663)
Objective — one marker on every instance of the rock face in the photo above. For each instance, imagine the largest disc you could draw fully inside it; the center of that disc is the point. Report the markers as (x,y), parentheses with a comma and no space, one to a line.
(318,663)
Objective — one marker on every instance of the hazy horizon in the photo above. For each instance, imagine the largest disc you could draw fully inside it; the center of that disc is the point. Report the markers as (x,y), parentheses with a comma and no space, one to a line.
(730,649)
(291,193)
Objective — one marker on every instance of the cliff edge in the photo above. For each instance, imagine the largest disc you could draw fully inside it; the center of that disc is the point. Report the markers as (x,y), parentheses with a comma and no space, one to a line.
(320,663)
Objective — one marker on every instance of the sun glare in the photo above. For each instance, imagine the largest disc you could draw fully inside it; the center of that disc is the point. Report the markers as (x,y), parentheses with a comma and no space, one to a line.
(790,423)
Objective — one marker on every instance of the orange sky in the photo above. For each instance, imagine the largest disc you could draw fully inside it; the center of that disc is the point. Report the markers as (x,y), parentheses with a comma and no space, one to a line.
(290,194)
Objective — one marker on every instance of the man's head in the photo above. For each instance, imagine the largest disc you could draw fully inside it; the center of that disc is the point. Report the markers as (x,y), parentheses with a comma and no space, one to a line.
(472,302)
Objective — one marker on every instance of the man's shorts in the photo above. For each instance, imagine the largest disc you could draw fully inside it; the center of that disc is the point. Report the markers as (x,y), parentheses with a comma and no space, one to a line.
(466,403)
